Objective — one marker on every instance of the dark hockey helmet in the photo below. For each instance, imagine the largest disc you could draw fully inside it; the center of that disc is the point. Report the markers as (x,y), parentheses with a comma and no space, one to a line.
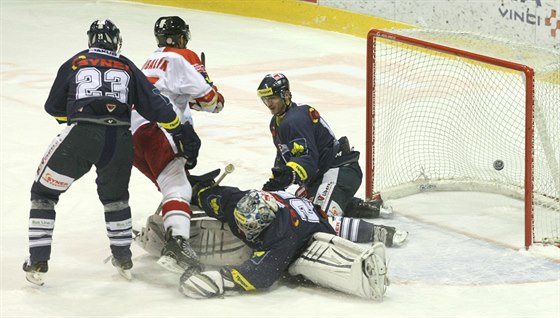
(104,34)
(274,84)
(254,212)
(169,30)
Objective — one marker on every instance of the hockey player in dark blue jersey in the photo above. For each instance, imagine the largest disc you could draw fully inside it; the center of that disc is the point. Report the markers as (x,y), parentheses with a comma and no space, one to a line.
(309,155)
(286,233)
(93,93)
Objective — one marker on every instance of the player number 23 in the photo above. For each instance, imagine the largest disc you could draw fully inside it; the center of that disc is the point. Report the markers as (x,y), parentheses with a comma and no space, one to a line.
(90,79)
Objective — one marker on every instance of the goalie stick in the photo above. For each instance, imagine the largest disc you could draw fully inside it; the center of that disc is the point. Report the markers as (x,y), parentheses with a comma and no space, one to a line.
(227,170)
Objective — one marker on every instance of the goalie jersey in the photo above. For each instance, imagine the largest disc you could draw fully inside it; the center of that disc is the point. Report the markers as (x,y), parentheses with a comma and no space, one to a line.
(277,246)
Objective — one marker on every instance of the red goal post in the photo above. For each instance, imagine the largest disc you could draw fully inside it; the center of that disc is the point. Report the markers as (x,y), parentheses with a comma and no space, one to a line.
(442,118)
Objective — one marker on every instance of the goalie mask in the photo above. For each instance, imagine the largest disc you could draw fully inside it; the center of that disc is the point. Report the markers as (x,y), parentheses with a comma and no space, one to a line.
(104,34)
(172,31)
(254,212)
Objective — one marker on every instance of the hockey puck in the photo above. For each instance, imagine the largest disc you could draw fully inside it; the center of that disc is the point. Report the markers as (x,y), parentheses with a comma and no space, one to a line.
(498,165)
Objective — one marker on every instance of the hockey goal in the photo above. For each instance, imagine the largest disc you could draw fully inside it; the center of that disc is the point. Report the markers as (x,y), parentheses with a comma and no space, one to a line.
(440,118)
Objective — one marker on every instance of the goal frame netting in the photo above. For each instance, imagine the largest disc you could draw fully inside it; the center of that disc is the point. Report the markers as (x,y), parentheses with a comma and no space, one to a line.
(525,193)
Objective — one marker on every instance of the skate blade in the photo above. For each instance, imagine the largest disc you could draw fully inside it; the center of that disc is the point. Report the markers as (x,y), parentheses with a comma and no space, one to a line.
(125,273)
(386,212)
(399,238)
(170,264)
(35,278)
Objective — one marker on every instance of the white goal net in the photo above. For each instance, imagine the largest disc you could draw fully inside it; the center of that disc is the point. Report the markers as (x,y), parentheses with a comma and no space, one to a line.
(444,116)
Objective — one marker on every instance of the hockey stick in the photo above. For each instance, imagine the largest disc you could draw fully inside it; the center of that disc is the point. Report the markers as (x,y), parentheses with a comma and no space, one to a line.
(227,170)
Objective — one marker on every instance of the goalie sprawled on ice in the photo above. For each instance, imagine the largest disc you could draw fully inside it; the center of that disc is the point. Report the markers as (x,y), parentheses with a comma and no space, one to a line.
(260,235)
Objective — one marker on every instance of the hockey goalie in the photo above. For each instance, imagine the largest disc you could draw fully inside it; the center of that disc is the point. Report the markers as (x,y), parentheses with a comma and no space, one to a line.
(249,239)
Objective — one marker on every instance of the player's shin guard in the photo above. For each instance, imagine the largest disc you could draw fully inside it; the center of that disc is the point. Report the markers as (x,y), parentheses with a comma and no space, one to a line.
(119,229)
(360,231)
(333,262)
(177,213)
(177,254)
(41,226)
(352,229)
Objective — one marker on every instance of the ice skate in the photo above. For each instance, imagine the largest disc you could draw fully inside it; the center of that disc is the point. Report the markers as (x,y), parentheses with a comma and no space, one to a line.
(389,235)
(177,254)
(34,272)
(369,209)
(386,211)
(123,266)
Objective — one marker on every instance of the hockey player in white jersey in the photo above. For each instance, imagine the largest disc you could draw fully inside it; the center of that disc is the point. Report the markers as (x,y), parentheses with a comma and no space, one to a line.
(181,76)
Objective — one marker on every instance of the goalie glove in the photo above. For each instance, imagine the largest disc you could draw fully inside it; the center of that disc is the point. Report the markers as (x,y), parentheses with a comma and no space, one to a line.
(204,285)
(198,188)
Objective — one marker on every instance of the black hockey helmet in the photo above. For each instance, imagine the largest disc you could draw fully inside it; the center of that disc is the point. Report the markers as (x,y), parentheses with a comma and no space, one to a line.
(274,84)
(104,34)
(169,30)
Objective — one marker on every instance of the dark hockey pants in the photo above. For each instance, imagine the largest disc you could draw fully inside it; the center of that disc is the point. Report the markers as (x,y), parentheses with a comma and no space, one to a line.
(336,188)
(70,156)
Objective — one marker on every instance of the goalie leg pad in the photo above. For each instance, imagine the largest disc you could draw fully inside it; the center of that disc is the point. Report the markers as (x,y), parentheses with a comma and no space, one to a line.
(336,263)
(212,241)
(215,245)
(152,236)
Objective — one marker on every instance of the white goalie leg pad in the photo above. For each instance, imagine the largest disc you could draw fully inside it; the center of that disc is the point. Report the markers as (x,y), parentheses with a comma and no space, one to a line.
(215,245)
(152,236)
(336,263)
(212,241)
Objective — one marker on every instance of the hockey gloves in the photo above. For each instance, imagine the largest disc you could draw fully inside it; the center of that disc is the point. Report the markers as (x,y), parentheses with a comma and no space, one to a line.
(187,143)
(215,105)
(198,188)
(219,104)
(282,177)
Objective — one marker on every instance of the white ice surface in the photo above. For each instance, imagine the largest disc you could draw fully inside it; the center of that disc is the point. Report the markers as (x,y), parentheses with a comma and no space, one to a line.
(463,258)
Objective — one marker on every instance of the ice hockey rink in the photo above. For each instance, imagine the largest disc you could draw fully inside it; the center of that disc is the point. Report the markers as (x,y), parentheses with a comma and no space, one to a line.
(459,261)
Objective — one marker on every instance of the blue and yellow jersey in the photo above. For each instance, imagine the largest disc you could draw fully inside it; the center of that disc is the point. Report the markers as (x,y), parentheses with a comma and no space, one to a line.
(304,142)
(102,86)
(277,246)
